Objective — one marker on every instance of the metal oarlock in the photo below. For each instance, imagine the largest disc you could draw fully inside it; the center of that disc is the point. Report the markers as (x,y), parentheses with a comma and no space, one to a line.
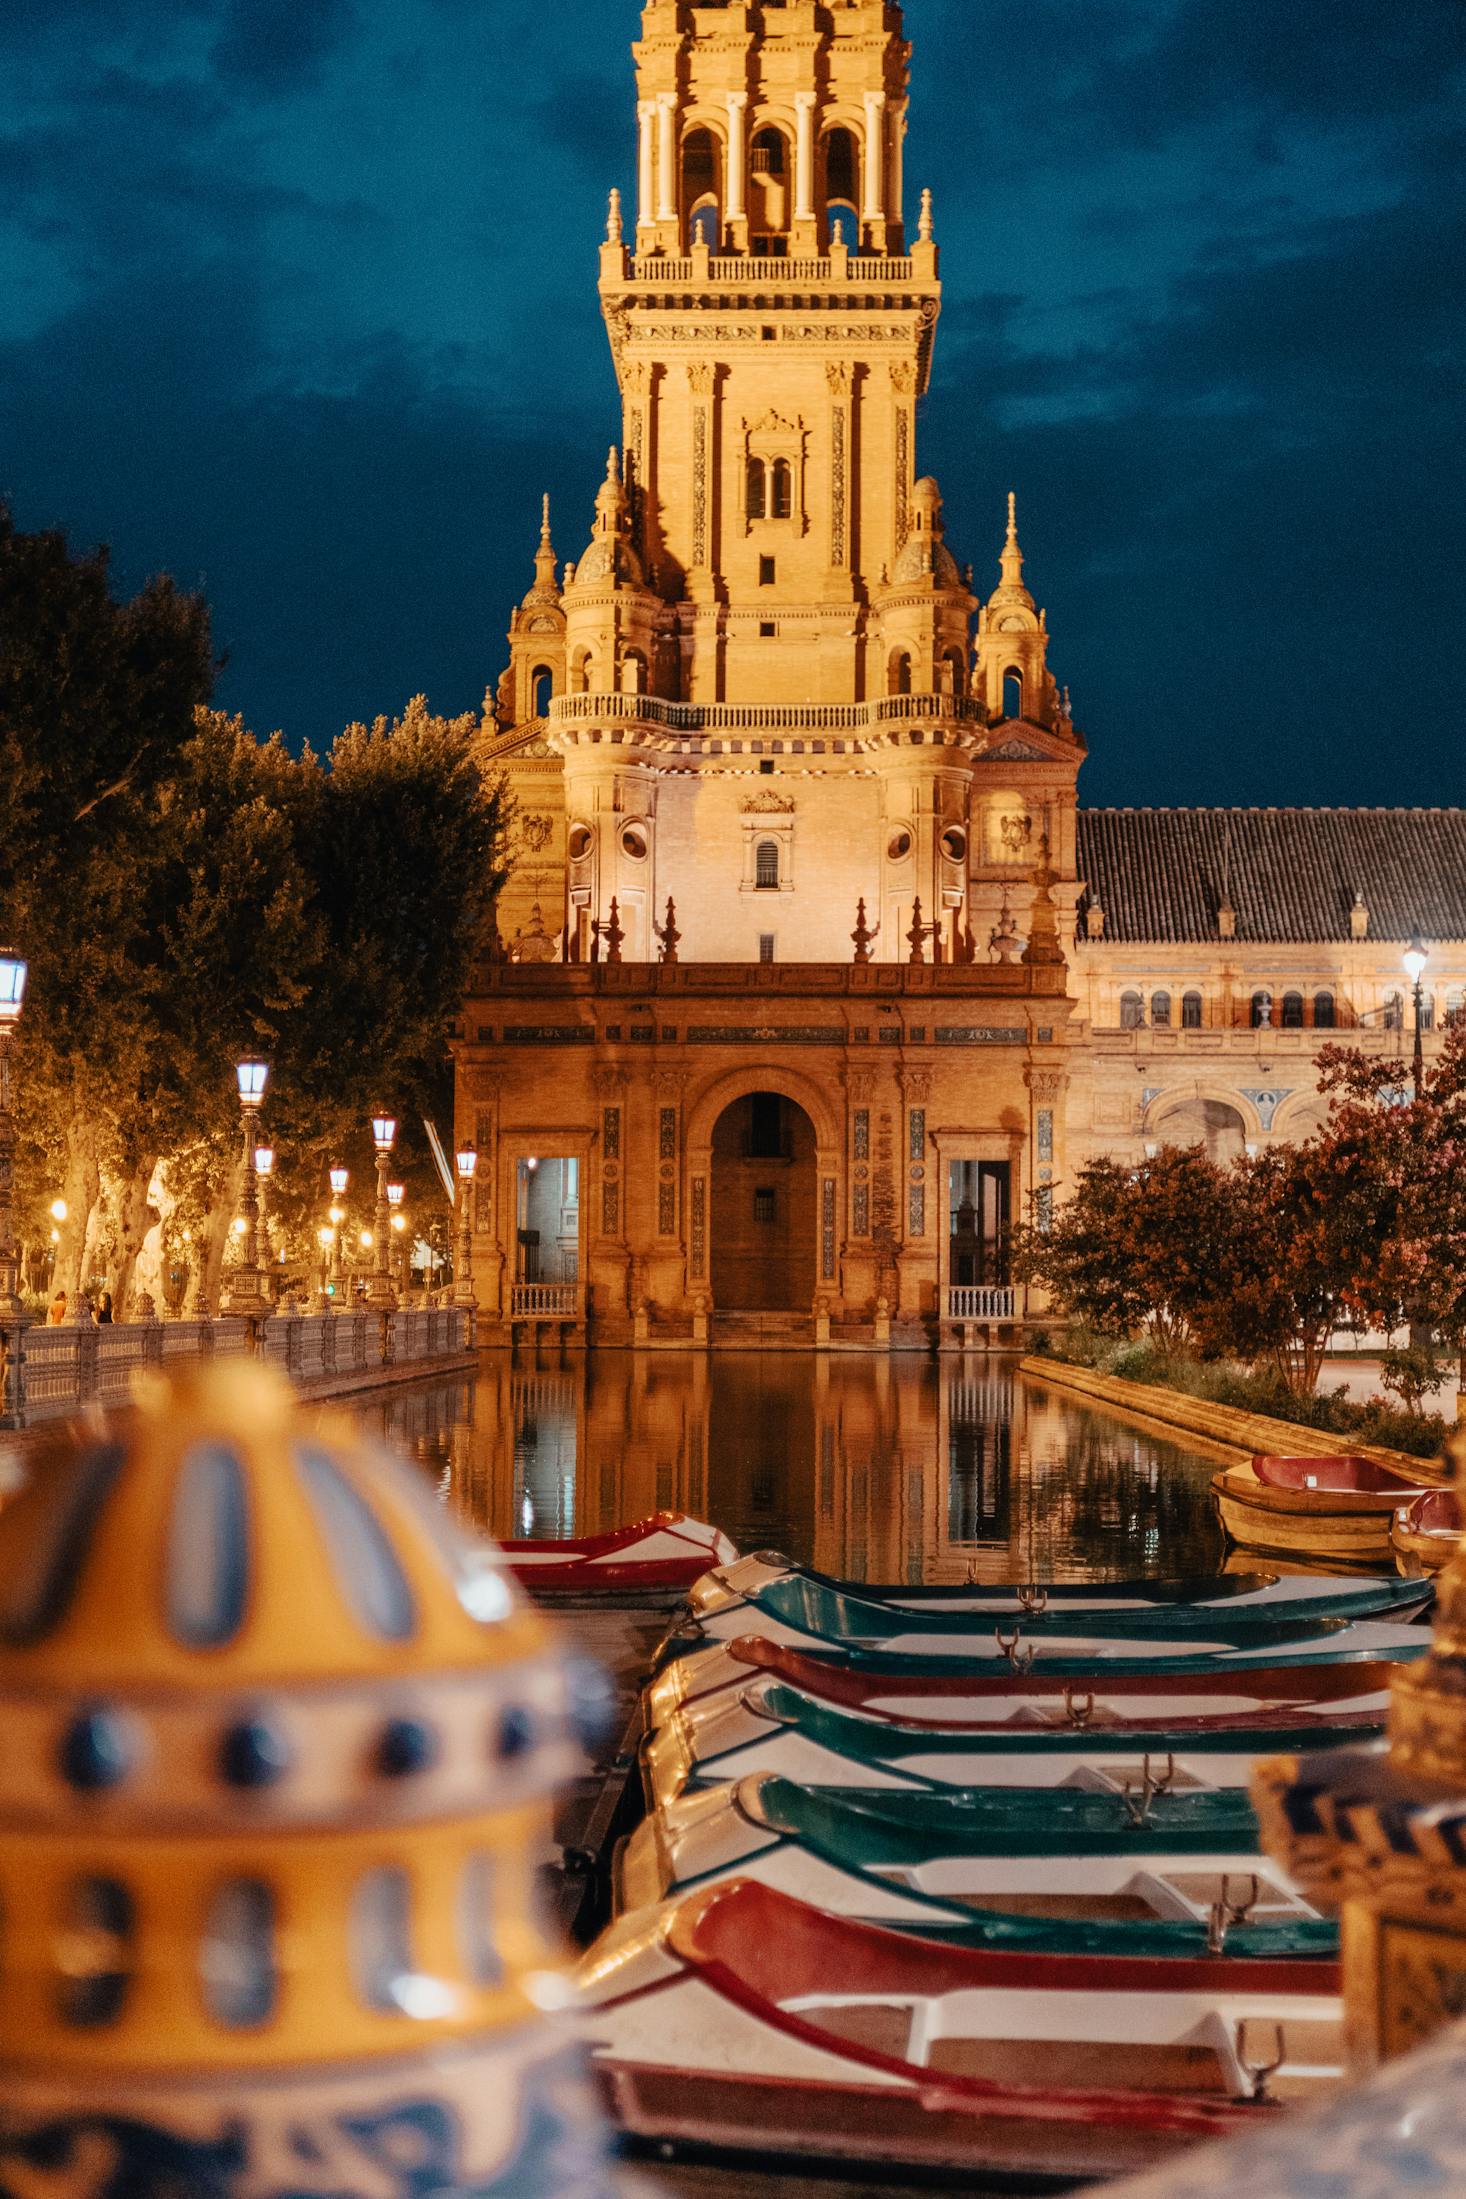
(1032,1597)
(1226,1912)
(1019,1660)
(1078,1709)
(1258,2073)
(1138,1808)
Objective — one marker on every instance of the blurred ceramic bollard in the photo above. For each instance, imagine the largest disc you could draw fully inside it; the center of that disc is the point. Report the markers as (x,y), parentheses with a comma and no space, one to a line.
(281,1749)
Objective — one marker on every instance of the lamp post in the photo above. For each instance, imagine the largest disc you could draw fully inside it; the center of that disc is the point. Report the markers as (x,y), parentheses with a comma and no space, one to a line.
(246,1292)
(325,1238)
(396,1193)
(379,1289)
(12,998)
(463,1294)
(1415,957)
(264,1170)
(340,1178)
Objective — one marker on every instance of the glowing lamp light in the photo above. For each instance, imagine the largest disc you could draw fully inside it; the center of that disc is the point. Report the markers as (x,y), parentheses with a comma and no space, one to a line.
(253,1077)
(340,1178)
(399,1221)
(395,1194)
(366,1240)
(1415,957)
(532,1163)
(59,1210)
(326,1238)
(239,1225)
(384,1132)
(467,1164)
(12,986)
(264,1160)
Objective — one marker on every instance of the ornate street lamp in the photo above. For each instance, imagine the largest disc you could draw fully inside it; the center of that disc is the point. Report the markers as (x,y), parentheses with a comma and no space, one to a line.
(340,1178)
(246,1292)
(1415,957)
(463,1294)
(396,1193)
(379,1288)
(264,1170)
(12,999)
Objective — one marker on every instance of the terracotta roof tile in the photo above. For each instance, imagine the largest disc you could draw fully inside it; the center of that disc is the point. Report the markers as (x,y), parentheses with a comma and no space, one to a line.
(1160,874)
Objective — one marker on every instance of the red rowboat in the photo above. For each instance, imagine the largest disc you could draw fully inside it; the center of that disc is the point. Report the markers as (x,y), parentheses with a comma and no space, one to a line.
(741,2019)
(1339,1507)
(666,1552)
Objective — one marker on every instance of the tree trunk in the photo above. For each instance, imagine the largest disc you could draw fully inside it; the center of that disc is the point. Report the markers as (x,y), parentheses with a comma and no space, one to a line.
(215,1234)
(80,1190)
(134,1219)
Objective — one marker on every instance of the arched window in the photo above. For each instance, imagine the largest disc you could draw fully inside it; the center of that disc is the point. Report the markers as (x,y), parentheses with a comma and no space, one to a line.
(770,154)
(700,166)
(842,167)
(580,673)
(781,500)
(1456,1006)
(1292,1011)
(1262,1011)
(1012,693)
(541,688)
(237,1971)
(1191,1009)
(1324,1013)
(98,1931)
(956,663)
(766,866)
(900,675)
(758,493)
(1132,1012)
(1160,1010)
(1394,1013)
(1427,1011)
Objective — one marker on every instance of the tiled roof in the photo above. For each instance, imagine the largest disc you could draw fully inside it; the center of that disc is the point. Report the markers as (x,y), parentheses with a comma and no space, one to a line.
(1291,873)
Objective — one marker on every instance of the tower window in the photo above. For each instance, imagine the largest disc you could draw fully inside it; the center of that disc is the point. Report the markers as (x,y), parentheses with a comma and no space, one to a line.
(766,572)
(1160,1010)
(769,155)
(1132,1012)
(1292,1011)
(899,680)
(541,688)
(766,866)
(758,495)
(1324,1014)
(782,503)
(1012,694)
(1394,1013)
(840,167)
(765,1206)
(766,946)
(1191,1011)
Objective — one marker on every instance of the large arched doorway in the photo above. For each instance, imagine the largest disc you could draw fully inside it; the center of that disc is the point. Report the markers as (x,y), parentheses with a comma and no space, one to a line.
(764,1201)
(1205,1122)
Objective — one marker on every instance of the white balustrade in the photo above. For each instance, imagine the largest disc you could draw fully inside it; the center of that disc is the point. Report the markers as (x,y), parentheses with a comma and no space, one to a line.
(981,1302)
(716,717)
(754,271)
(545,1302)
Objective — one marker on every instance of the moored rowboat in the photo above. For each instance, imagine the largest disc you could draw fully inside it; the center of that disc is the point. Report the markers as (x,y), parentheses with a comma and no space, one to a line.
(808,1599)
(663,1553)
(750,2022)
(767,1726)
(1337,1507)
(927,1872)
(1138,1700)
(1427,1534)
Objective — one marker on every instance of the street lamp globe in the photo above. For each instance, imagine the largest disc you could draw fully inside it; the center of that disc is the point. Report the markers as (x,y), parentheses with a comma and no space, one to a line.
(396,1192)
(12,986)
(340,1178)
(59,1210)
(253,1077)
(1415,957)
(467,1164)
(384,1132)
(264,1160)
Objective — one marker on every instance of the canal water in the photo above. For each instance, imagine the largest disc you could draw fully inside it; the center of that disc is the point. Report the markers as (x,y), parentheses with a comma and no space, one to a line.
(901,1469)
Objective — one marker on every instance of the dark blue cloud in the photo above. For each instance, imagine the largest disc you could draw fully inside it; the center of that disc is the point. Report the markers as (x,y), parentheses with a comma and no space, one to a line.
(299,301)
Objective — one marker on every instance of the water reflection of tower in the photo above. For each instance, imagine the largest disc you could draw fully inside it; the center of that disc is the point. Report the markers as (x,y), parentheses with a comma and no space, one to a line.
(876,1437)
(977,1408)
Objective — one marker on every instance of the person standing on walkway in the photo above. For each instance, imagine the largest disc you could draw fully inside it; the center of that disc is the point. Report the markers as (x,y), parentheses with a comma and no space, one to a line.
(56,1311)
(103,1314)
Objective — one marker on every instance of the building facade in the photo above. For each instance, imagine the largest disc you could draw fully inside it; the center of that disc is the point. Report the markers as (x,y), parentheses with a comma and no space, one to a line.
(813,974)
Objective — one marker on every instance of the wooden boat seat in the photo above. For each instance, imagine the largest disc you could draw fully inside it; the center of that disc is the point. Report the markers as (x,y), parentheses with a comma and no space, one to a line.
(1339,1476)
(1085,2064)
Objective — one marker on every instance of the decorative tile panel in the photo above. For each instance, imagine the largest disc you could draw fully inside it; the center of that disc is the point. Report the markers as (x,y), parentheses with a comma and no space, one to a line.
(827,1230)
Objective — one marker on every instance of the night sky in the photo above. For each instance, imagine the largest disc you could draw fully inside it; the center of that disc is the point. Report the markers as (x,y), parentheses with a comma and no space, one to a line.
(297,302)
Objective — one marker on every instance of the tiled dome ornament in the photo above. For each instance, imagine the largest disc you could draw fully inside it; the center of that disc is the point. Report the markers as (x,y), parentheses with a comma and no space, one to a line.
(269,1926)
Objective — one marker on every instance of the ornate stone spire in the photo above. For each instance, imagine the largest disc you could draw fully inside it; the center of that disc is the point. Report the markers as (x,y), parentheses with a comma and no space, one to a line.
(544,589)
(1043,924)
(613,219)
(1010,591)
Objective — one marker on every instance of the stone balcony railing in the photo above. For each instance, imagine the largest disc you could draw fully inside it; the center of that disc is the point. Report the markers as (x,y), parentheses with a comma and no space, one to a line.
(767,273)
(46,1372)
(733,717)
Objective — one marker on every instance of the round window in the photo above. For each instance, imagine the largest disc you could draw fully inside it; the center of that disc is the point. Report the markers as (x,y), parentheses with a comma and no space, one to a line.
(582,840)
(898,847)
(954,843)
(634,841)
